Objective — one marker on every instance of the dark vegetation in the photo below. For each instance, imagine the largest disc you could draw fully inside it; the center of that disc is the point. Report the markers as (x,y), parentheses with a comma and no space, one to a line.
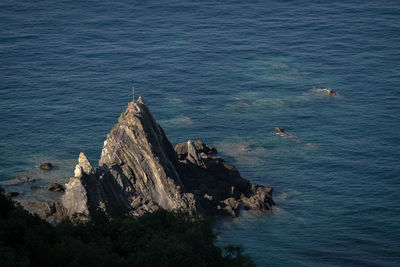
(161,238)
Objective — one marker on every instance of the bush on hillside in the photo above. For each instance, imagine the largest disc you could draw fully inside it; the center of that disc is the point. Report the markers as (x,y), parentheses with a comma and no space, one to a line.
(161,238)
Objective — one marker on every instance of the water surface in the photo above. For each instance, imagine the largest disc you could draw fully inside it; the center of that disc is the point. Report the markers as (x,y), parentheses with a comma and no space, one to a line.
(228,73)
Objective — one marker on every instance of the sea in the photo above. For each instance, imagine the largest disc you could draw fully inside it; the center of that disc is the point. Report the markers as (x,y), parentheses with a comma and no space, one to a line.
(226,72)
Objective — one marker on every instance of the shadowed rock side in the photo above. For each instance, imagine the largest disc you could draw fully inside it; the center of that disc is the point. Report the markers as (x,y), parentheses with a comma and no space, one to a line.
(140,172)
(217,185)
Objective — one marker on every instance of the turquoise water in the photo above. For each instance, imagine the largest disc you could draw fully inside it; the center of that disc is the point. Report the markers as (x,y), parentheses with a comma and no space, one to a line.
(227,72)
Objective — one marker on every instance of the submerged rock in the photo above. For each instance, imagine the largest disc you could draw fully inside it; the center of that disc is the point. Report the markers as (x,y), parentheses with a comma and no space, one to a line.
(34,187)
(46,166)
(241,100)
(139,171)
(18,181)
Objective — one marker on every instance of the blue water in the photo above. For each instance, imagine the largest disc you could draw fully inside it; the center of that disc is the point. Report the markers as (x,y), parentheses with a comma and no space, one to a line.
(227,72)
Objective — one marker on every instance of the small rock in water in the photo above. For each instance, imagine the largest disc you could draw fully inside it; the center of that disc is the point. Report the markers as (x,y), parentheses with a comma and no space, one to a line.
(327,91)
(280,130)
(46,166)
(331,93)
(11,194)
(55,187)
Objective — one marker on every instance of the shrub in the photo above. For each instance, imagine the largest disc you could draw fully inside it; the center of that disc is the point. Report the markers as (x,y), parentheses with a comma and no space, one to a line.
(161,238)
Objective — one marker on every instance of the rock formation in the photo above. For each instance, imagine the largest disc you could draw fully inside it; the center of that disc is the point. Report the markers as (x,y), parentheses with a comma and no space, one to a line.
(139,171)
(217,185)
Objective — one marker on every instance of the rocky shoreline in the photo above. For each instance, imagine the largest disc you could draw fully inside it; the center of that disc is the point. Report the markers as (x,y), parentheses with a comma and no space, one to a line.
(140,171)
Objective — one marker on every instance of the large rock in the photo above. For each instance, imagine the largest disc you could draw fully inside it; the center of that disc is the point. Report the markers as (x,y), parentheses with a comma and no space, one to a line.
(217,185)
(75,200)
(140,172)
(80,192)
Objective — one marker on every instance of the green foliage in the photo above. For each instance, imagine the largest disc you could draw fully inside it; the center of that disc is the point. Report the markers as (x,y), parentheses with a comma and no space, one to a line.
(161,238)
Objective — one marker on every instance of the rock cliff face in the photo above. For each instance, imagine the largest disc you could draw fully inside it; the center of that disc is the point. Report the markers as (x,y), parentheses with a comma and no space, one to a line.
(139,171)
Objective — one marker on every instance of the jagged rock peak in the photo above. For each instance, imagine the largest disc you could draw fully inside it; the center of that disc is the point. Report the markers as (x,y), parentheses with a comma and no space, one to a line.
(136,126)
(84,166)
(81,191)
(193,149)
(143,161)
(141,172)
